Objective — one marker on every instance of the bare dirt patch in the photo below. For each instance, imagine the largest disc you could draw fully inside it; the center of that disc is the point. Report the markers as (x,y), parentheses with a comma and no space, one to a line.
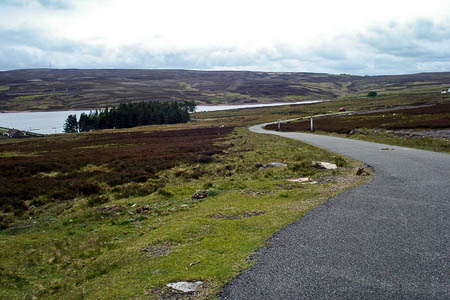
(239,216)
(158,250)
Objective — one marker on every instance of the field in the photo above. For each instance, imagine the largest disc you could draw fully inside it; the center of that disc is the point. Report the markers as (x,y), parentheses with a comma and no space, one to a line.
(53,89)
(436,138)
(117,214)
(429,117)
(244,117)
(411,127)
(41,171)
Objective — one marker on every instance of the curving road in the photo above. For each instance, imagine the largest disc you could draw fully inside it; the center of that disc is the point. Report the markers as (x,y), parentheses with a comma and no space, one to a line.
(388,239)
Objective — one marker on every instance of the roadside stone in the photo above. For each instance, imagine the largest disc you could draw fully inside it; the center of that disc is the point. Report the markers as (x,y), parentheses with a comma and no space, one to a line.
(362,172)
(185,286)
(324,165)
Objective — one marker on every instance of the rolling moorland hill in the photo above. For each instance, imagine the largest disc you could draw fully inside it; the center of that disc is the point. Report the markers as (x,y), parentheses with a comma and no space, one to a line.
(59,89)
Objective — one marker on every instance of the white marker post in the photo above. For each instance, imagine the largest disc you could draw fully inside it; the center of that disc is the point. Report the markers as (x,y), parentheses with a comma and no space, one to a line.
(279,124)
(312,124)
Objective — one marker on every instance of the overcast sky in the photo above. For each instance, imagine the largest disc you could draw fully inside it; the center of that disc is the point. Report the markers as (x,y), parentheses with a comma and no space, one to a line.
(345,36)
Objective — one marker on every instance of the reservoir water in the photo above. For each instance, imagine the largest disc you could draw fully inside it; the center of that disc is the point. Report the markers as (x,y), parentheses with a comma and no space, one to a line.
(53,122)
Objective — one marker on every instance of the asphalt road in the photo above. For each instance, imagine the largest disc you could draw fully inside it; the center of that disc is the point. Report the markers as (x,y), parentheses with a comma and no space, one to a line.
(387,239)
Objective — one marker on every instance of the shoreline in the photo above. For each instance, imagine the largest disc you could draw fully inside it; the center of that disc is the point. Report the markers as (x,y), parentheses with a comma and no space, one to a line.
(236,106)
(52,122)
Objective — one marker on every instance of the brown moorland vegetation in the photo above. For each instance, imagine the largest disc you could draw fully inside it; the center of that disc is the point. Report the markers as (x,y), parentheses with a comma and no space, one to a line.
(40,171)
(55,89)
(433,117)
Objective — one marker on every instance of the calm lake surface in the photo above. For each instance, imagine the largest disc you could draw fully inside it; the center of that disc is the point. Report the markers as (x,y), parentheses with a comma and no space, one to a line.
(53,122)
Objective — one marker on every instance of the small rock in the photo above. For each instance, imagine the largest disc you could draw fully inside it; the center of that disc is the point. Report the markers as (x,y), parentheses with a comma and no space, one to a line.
(324,165)
(200,194)
(301,179)
(362,172)
(194,263)
(184,286)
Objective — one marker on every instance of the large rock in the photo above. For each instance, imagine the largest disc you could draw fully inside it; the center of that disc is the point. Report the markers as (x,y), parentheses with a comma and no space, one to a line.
(324,165)
(185,286)
(300,179)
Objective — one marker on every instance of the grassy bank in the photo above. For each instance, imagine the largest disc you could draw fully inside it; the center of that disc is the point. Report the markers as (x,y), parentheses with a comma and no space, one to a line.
(120,244)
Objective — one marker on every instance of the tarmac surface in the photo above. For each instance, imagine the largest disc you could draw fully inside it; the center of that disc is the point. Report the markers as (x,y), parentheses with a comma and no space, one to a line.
(387,239)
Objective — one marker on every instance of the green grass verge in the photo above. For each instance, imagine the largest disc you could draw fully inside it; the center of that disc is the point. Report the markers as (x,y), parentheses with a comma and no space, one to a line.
(77,250)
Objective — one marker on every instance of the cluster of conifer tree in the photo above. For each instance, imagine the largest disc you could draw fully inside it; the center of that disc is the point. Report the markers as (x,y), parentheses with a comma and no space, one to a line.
(128,115)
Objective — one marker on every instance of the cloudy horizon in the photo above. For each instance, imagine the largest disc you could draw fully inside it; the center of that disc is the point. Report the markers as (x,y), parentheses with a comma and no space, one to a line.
(391,37)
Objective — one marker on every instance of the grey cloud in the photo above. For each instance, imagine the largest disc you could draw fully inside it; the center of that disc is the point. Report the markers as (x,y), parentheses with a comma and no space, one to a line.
(422,45)
(34,48)
(50,4)
(422,39)
(419,46)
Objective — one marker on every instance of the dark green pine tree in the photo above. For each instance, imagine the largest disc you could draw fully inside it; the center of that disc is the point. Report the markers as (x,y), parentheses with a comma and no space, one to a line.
(71,124)
(82,122)
(132,114)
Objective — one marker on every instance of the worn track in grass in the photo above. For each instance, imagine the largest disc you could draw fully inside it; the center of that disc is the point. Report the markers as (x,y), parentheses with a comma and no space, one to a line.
(387,239)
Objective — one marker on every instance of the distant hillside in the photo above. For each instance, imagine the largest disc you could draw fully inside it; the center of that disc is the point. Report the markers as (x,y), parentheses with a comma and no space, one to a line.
(52,89)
